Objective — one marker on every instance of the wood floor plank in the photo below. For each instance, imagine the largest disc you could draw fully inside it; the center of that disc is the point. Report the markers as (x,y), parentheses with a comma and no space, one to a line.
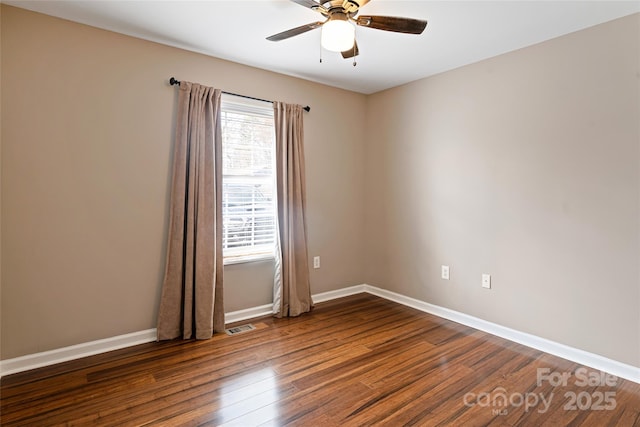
(360,360)
(324,405)
(412,402)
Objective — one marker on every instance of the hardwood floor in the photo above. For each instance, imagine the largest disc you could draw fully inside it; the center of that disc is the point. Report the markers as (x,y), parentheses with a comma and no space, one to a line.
(356,361)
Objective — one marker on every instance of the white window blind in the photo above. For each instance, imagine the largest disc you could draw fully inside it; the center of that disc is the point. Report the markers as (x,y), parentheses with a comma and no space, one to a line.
(248,181)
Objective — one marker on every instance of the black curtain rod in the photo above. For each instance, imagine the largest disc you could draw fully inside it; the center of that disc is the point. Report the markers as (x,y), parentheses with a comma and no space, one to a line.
(173,81)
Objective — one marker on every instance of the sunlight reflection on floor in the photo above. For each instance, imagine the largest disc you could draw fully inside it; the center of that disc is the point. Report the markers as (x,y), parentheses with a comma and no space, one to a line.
(250,399)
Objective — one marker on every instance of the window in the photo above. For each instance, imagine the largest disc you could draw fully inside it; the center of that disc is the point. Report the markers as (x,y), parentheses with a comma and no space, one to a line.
(248,181)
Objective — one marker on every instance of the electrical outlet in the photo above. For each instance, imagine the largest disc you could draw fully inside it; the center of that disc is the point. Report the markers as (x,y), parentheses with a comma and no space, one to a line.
(486,281)
(445,272)
(316,262)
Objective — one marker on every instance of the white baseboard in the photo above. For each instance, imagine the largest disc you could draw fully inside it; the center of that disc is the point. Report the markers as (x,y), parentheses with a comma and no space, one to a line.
(267,309)
(338,293)
(248,313)
(595,361)
(37,360)
(59,355)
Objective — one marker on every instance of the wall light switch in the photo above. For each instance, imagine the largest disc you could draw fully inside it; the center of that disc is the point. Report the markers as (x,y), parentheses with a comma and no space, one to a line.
(486,281)
(316,262)
(445,272)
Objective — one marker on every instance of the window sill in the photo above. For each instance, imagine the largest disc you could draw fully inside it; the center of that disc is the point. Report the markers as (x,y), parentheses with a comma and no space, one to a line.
(248,258)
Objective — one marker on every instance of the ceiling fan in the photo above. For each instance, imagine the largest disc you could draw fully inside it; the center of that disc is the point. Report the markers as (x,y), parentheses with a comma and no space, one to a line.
(338,30)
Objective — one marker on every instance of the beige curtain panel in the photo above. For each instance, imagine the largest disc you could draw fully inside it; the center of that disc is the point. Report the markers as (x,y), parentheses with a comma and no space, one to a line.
(292,291)
(191,305)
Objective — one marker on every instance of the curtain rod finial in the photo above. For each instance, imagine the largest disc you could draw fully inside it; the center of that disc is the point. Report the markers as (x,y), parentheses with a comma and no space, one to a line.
(173,81)
(307,108)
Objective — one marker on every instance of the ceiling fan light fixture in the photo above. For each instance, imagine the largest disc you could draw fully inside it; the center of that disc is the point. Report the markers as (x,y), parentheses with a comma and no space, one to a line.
(338,34)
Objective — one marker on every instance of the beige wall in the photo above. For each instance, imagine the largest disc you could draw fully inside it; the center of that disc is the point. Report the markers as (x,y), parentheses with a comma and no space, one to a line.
(86,139)
(525,166)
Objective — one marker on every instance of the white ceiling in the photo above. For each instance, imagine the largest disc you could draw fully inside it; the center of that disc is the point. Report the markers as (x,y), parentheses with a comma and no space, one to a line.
(458,33)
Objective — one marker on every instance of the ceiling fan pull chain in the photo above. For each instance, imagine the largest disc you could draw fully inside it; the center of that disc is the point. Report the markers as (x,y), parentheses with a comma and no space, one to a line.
(354,48)
(320,51)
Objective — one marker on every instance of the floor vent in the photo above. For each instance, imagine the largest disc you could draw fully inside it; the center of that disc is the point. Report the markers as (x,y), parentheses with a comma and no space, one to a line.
(240,329)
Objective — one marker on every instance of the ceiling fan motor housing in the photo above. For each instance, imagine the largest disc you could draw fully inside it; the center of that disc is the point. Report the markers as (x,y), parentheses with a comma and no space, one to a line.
(350,7)
(338,16)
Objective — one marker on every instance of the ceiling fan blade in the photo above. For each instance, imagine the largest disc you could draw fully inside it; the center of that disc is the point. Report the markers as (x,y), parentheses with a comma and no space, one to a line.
(354,51)
(294,31)
(393,23)
(313,5)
